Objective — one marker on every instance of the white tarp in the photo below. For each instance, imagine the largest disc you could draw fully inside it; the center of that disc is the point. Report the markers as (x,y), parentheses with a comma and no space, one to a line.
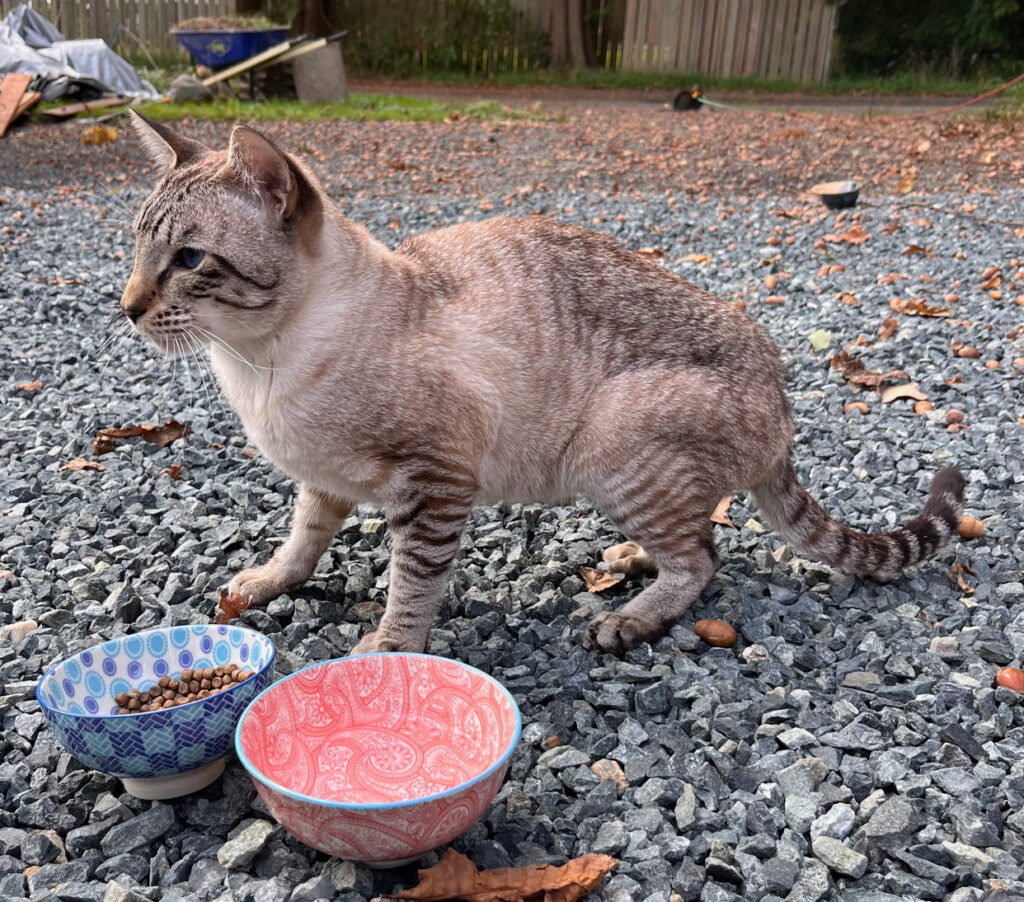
(29,43)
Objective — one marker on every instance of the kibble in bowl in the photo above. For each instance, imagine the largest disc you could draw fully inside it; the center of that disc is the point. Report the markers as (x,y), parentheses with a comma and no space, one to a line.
(177,746)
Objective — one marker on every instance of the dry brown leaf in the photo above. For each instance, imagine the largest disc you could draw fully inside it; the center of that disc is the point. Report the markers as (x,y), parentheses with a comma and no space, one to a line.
(171,431)
(856,235)
(917,307)
(858,374)
(907,390)
(80,463)
(230,606)
(651,252)
(957,573)
(98,134)
(993,281)
(29,386)
(697,258)
(599,580)
(888,328)
(173,471)
(456,877)
(970,528)
(848,298)
(721,513)
(906,184)
(917,249)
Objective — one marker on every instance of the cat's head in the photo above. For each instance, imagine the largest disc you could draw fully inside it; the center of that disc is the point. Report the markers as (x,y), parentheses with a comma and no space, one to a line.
(216,240)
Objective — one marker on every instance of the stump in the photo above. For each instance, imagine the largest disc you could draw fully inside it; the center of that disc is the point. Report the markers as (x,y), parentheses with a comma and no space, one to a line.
(320,75)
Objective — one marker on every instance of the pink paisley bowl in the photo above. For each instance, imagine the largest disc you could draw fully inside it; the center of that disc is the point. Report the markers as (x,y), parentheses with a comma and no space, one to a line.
(379,758)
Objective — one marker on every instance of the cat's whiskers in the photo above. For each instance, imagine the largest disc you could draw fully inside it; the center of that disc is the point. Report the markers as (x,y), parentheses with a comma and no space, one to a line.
(227,347)
(116,202)
(107,344)
(205,373)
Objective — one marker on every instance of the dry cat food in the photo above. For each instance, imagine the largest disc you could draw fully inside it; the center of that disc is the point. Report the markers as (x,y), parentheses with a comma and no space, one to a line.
(190,686)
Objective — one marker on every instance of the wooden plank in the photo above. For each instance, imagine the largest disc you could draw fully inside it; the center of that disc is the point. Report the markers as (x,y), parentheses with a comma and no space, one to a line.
(730,38)
(12,89)
(810,48)
(683,22)
(28,100)
(72,109)
(797,37)
(629,35)
(829,28)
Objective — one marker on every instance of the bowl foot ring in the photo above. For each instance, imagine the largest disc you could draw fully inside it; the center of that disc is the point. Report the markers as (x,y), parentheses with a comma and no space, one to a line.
(397,863)
(174,785)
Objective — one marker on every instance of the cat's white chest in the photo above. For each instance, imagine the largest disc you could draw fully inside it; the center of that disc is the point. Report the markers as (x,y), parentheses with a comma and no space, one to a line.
(292,432)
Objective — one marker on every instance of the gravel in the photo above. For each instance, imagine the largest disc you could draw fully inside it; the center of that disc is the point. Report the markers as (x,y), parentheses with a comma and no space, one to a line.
(851,746)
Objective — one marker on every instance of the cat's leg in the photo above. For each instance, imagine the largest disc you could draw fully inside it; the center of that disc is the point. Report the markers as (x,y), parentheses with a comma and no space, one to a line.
(315,519)
(685,559)
(426,526)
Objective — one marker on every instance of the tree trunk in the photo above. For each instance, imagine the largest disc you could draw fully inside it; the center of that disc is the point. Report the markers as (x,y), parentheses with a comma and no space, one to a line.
(577,53)
(559,34)
(311,20)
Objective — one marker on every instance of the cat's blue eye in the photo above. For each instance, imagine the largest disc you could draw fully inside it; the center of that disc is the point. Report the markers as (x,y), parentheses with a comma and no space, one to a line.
(190,257)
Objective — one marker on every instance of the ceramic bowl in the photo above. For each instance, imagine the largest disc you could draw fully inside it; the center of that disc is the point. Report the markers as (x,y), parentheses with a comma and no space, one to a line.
(837,195)
(379,758)
(163,753)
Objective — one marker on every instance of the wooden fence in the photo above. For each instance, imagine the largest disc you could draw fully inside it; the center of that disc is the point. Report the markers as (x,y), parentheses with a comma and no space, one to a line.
(777,39)
(148,20)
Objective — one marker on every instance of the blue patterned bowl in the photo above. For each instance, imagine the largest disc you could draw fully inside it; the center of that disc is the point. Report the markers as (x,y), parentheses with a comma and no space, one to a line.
(163,753)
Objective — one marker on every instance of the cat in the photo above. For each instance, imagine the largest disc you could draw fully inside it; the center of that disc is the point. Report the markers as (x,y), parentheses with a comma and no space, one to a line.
(510,359)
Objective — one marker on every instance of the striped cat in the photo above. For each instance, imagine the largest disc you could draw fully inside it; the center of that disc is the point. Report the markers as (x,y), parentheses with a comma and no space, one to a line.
(507,359)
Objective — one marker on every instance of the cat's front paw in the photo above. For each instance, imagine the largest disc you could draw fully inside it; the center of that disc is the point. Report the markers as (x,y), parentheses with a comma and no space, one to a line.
(259,585)
(375,641)
(616,633)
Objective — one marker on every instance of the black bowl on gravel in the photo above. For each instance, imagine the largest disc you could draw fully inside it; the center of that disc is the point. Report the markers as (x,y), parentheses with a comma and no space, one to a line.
(837,195)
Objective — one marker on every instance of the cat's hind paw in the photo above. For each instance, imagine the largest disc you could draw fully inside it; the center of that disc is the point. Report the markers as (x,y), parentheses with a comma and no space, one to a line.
(630,559)
(616,633)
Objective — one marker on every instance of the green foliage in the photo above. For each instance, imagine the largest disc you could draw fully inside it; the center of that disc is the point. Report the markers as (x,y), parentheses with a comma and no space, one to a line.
(472,36)
(358,106)
(953,38)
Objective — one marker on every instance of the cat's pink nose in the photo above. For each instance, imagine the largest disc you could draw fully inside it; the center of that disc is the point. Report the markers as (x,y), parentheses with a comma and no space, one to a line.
(137,299)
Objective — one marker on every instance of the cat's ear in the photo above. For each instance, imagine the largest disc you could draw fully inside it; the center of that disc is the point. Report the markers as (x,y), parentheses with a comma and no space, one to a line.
(163,145)
(257,161)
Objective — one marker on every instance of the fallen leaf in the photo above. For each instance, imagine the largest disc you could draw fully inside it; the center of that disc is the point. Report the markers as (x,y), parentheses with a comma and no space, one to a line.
(957,573)
(888,328)
(80,463)
(651,252)
(917,307)
(993,281)
(697,258)
(848,298)
(98,134)
(230,606)
(29,386)
(917,249)
(856,235)
(906,184)
(820,339)
(173,471)
(599,580)
(721,513)
(456,877)
(858,374)
(171,431)
(906,390)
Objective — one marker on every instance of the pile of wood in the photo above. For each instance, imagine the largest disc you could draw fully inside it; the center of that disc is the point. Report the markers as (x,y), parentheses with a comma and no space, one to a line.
(16,98)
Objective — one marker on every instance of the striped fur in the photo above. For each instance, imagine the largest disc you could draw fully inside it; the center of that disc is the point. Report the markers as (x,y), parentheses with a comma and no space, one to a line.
(801,520)
(511,359)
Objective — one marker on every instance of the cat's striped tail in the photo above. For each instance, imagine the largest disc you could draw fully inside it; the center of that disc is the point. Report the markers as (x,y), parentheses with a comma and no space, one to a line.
(791,510)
